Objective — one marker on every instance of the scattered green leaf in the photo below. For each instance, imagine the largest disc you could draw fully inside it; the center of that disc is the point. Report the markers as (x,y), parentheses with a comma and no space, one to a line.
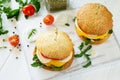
(84,51)
(3,31)
(67,24)
(3,47)
(87,41)
(87,64)
(81,46)
(33,31)
(6,9)
(78,55)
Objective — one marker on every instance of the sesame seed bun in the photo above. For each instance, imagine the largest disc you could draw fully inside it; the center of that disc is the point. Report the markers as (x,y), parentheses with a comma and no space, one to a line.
(94,19)
(54,44)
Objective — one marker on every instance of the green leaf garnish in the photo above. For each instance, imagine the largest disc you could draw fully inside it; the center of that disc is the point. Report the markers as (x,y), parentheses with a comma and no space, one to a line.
(87,41)
(33,31)
(110,31)
(84,51)
(56,68)
(13,13)
(6,9)
(78,55)
(3,47)
(3,31)
(36,62)
(81,46)
(87,49)
(36,3)
(67,24)
(87,64)
(35,57)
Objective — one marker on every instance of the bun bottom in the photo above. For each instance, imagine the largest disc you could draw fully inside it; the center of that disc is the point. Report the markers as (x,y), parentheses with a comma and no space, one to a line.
(97,41)
(66,65)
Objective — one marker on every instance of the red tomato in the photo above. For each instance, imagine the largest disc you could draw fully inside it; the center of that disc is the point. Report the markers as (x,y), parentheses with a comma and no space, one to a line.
(28,10)
(14,40)
(48,20)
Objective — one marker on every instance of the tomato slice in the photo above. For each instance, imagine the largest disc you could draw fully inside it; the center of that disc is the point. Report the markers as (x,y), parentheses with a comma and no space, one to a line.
(28,10)
(48,19)
(49,58)
(14,40)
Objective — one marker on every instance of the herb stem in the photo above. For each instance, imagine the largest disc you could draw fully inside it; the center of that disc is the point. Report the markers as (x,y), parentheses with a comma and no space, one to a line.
(3,47)
(33,31)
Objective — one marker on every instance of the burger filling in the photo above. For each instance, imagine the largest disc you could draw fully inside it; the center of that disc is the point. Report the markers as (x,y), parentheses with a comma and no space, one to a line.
(51,63)
(92,37)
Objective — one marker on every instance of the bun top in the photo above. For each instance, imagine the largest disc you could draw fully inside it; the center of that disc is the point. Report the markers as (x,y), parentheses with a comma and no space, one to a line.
(54,44)
(94,18)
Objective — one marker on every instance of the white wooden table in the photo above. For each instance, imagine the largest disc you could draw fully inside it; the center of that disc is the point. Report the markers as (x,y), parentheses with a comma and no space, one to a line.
(20,69)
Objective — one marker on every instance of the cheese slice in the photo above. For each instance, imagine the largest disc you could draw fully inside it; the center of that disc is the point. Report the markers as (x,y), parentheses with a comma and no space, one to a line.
(49,62)
(80,32)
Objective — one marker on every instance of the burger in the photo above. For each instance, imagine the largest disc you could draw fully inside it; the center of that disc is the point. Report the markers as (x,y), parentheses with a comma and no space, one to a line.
(54,51)
(94,22)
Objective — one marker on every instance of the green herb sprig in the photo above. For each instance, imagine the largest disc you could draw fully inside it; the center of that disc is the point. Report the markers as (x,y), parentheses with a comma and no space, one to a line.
(83,52)
(1,47)
(33,31)
(2,3)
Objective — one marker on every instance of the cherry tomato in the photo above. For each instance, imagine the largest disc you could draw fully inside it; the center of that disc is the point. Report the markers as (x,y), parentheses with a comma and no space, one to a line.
(14,40)
(48,20)
(28,10)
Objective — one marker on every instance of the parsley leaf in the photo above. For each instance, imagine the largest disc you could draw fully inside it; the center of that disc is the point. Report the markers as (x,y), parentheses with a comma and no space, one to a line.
(35,58)
(13,13)
(83,52)
(33,31)
(36,62)
(87,64)
(54,68)
(3,47)
(36,3)
(110,31)
(87,41)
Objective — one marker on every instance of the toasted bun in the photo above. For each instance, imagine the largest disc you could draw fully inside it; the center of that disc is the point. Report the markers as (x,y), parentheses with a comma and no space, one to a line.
(66,65)
(94,18)
(54,44)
